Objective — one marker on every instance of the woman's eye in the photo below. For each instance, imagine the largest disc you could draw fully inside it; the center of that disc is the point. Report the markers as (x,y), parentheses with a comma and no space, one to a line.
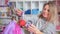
(44,9)
(48,10)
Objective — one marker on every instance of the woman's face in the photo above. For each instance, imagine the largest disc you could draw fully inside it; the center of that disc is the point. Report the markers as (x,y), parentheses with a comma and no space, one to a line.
(46,11)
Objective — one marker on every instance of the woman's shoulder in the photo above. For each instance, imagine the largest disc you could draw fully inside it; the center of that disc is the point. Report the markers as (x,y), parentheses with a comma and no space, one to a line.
(40,20)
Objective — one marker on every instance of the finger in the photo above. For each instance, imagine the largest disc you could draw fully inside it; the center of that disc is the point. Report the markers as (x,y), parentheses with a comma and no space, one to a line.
(32,25)
(31,30)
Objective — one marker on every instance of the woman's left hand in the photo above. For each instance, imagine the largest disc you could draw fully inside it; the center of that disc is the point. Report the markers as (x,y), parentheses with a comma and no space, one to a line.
(33,29)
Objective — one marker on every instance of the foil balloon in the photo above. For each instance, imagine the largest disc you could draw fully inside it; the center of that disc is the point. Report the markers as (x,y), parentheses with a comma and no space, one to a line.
(12,28)
(22,23)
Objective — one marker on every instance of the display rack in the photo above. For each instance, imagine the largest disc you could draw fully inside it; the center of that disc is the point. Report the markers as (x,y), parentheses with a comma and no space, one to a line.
(30,7)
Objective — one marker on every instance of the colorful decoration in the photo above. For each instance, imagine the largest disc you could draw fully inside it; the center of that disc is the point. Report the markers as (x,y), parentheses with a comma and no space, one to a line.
(35,11)
(12,28)
(19,12)
(28,11)
(6,1)
(22,23)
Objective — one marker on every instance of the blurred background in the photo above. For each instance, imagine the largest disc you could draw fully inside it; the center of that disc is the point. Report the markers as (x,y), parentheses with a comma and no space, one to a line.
(31,9)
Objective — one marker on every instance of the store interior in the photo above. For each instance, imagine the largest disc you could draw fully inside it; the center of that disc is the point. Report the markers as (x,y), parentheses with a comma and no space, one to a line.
(30,8)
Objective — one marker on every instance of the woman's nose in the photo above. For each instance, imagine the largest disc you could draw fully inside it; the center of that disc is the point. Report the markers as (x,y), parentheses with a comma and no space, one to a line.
(45,11)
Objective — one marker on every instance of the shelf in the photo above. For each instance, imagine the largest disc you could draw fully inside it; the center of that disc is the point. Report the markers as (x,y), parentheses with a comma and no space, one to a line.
(5,17)
(27,5)
(31,0)
(35,5)
(19,5)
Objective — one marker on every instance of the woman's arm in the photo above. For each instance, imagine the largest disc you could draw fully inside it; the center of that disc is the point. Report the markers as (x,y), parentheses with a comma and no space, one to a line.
(33,29)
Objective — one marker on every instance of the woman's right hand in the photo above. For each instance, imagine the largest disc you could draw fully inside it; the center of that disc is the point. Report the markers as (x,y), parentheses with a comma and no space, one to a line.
(33,29)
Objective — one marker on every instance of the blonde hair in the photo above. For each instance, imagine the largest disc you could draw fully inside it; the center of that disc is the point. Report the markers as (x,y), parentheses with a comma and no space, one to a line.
(52,11)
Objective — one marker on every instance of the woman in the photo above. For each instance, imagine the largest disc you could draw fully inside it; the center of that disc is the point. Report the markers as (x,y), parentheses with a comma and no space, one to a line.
(47,20)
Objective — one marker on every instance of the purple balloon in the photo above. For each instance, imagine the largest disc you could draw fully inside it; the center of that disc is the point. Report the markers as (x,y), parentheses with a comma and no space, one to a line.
(13,28)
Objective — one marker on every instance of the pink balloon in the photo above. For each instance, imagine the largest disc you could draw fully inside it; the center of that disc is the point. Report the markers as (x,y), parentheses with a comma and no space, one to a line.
(13,28)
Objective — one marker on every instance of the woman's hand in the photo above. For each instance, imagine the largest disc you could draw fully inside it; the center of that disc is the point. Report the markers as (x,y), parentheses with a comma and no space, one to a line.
(33,29)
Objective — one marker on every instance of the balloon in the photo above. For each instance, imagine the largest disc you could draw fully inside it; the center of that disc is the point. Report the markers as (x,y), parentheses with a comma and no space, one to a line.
(13,28)
(22,22)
